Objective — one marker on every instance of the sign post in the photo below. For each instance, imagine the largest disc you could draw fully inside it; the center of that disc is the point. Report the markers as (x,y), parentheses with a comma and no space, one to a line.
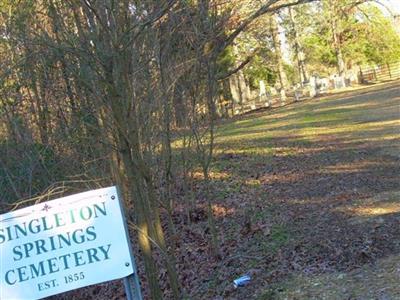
(132,291)
(61,245)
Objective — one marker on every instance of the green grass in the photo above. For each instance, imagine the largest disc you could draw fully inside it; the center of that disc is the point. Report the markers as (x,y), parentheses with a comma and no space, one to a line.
(321,117)
(256,140)
(304,124)
(279,237)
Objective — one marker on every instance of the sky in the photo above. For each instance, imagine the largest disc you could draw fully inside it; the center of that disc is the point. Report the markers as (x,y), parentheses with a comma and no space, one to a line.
(394,5)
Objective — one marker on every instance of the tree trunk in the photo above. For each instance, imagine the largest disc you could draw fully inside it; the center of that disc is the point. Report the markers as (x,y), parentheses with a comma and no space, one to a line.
(278,58)
(298,49)
(333,15)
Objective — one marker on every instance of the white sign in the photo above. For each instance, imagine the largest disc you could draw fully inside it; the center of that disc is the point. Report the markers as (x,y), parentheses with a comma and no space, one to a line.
(64,244)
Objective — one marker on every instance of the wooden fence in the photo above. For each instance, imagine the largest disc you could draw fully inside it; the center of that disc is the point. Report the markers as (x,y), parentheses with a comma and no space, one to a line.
(380,73)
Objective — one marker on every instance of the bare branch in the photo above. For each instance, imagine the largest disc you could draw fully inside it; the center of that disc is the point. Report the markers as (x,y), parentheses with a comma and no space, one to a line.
(269,7)
(237,69)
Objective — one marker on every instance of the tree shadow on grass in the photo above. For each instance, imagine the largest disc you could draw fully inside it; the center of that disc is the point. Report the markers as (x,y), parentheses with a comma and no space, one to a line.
(319,203)
(310,217)
(353,109)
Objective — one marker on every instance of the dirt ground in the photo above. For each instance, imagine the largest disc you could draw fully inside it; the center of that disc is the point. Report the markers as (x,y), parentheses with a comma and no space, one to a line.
(321,181)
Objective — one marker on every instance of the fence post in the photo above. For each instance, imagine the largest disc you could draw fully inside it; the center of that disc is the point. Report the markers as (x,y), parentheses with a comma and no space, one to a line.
(361,75)
(390,73)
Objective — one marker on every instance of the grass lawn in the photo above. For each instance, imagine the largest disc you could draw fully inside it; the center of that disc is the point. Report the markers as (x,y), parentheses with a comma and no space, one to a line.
(320,180)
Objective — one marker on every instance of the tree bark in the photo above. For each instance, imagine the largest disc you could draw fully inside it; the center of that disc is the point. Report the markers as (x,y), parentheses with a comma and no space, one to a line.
(298,49)
(278,58)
